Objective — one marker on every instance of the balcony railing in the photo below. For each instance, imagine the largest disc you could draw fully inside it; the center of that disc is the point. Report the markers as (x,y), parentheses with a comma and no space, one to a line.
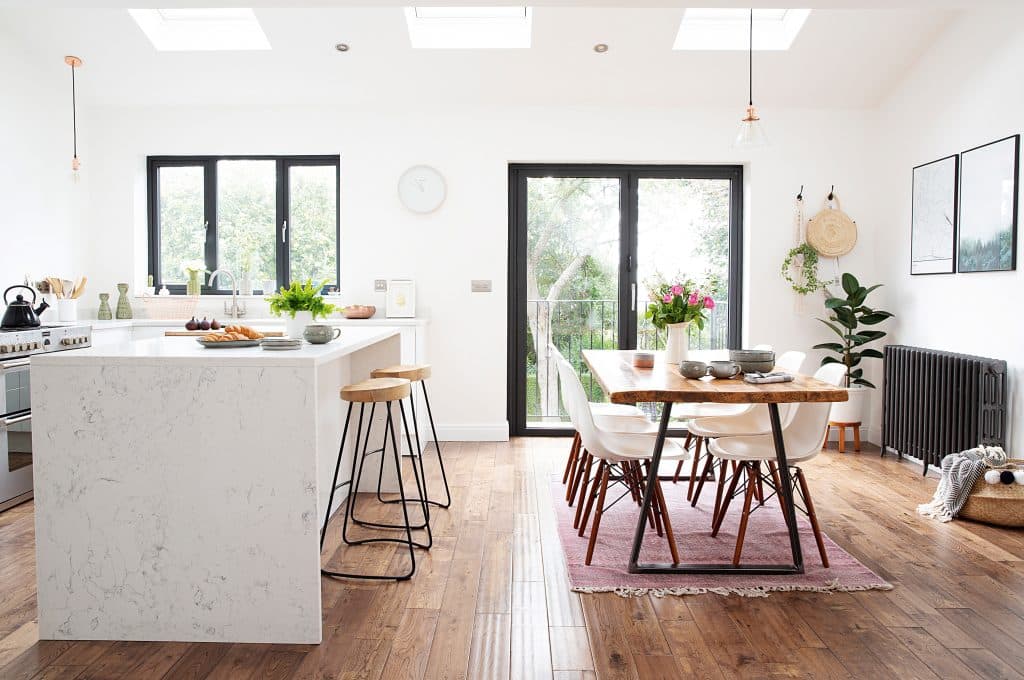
(575,325)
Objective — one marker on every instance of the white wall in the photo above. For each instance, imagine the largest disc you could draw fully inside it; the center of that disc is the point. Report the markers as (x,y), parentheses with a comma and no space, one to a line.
(467,238)
(965,91)
(39,218)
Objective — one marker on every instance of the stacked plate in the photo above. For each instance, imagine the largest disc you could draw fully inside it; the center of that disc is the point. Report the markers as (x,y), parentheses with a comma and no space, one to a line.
(281,343)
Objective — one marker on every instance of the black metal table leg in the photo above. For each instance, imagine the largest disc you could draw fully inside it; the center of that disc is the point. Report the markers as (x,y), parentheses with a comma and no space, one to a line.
(797,567)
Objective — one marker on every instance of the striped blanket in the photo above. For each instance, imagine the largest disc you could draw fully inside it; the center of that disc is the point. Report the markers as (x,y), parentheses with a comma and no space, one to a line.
(959,473)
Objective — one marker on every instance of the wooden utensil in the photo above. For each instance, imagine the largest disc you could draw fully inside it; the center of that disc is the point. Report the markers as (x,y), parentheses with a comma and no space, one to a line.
(79,288)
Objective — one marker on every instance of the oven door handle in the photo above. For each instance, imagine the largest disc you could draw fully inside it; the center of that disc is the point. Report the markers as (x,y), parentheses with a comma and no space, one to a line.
(17,363)
(7,422)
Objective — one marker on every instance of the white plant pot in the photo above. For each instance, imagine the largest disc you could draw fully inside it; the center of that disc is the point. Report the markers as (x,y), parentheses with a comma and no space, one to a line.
(677,347)
(853,410)
(294,327)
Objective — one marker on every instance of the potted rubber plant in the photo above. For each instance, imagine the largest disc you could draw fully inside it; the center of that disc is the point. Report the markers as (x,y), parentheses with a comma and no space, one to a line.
(847,318)
(303,303)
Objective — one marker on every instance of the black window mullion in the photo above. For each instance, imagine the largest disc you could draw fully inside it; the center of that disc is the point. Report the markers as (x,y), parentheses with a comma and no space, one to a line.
(210,215)
(281,224)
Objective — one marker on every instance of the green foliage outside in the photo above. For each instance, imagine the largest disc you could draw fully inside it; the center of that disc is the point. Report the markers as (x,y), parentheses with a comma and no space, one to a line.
(246,217)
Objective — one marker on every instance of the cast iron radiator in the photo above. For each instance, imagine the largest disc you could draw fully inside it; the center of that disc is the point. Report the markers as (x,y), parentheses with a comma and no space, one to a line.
(936,403)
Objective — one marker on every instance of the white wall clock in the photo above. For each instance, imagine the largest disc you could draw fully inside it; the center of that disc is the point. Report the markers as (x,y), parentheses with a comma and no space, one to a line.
(422,189)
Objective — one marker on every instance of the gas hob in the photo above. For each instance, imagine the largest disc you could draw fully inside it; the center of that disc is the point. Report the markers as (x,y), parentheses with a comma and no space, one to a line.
(23,342)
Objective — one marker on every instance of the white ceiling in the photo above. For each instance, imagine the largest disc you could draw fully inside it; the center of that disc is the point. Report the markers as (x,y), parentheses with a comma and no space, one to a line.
(842,58)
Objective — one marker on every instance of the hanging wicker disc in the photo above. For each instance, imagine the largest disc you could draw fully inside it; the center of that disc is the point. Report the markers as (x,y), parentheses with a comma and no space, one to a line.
(832,233)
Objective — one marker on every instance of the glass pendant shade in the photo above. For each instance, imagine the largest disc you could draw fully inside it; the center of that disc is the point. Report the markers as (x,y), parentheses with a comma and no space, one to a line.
(751,133)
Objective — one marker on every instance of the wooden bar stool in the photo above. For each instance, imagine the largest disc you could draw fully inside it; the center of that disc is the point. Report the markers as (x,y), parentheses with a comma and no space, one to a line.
(418,373)
(384,391)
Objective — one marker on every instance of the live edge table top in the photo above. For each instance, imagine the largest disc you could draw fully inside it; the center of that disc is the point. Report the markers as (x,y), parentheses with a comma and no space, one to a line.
(625,383)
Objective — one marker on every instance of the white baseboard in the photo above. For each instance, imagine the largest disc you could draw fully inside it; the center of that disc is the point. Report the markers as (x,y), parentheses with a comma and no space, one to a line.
(485,432)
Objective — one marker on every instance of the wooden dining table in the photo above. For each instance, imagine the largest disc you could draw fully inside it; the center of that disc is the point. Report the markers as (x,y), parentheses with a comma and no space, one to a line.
(625,383)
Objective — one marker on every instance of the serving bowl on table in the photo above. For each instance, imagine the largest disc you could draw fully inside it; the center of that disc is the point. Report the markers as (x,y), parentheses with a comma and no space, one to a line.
(753,360)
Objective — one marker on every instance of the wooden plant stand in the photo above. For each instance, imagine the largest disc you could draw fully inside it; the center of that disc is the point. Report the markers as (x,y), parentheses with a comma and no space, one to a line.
(842,434)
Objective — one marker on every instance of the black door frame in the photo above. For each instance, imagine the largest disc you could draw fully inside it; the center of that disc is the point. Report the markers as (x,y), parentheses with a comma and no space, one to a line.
(629,176)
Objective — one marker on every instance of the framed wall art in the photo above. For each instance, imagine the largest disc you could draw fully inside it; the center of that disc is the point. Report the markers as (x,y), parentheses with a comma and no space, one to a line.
(988,207)
(934,217)
(401,299)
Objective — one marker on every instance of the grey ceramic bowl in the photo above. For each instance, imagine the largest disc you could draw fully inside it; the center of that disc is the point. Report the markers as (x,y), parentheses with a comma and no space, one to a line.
(751,355)
(756,366)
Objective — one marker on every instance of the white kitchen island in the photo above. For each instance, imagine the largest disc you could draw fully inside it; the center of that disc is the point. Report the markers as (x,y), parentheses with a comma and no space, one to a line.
(179,490)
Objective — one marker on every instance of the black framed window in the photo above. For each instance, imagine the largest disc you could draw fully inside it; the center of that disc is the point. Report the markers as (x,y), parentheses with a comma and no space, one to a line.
(265,218)
(586,242)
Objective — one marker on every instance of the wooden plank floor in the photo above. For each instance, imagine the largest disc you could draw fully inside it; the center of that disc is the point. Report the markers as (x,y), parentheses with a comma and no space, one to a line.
(491,599)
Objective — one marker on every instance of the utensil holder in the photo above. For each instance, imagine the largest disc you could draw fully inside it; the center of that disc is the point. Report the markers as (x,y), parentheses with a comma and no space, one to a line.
(67,310)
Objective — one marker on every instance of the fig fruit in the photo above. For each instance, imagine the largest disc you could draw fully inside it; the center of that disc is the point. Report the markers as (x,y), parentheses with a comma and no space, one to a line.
(214,325)
(204,325)
(192,324)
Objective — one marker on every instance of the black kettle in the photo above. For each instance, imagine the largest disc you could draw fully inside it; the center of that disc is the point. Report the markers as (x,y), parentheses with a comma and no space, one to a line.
(20,313)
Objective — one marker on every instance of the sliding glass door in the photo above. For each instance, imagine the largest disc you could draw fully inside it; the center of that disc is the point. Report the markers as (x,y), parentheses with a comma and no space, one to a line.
(584,241)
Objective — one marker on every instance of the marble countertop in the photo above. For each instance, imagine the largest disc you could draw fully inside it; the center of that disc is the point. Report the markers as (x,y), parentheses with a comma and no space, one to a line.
(186,351)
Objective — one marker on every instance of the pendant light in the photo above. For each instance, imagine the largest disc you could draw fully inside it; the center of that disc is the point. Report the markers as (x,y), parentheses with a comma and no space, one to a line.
(74,63)
(751,134)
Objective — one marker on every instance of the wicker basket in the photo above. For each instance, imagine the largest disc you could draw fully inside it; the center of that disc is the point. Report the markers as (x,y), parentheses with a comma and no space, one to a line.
(999,504)
(175,307)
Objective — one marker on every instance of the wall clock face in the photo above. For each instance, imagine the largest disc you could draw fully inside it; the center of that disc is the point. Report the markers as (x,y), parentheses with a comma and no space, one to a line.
(421,189)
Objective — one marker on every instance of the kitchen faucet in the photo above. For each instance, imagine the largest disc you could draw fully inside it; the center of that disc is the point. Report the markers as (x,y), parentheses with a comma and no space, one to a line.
(235,312)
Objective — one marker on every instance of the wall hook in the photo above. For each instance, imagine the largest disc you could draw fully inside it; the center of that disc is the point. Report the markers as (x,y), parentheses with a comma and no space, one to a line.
(800,196)
(832,193)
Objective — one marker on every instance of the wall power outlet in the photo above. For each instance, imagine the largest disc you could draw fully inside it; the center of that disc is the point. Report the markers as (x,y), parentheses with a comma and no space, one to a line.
(380,285)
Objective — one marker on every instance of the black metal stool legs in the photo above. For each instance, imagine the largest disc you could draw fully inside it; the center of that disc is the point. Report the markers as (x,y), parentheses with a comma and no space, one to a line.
(389,430)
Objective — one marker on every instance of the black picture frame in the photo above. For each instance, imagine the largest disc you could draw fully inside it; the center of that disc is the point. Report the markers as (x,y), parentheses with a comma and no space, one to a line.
(930,207)
(989,186)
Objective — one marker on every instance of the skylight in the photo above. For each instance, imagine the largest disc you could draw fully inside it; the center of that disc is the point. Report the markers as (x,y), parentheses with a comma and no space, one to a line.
(193,29)
(469,27)
(729,29)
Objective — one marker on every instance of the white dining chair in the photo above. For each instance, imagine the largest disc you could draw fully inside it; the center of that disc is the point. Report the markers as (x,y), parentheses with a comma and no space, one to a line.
(802,436)
(751,419)
(621,452)
(614,417)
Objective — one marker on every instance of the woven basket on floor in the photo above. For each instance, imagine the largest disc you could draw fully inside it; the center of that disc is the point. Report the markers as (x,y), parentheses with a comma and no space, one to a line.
(999,504)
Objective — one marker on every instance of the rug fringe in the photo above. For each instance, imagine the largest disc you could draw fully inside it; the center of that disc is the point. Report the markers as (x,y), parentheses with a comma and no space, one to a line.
(755,591)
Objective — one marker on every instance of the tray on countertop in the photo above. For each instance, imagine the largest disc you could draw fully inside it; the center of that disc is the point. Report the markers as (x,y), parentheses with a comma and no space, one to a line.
(176,334)
(228,343)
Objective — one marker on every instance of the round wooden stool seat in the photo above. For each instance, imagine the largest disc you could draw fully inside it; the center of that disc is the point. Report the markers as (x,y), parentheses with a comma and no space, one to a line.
(377,390)
(413,372)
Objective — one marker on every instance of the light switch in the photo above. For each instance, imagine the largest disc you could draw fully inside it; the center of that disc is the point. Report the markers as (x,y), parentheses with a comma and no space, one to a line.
(380,285)
(480,285)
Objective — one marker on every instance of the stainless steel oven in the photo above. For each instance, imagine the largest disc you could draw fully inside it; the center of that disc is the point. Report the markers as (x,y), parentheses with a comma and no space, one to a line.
(15,433)
(17,346)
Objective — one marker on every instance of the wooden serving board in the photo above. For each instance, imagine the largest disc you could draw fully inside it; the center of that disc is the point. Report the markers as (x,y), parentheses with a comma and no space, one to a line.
(181,334)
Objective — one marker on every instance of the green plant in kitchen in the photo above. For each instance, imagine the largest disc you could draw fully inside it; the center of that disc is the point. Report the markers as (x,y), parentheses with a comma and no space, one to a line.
(847,316)
(300,297)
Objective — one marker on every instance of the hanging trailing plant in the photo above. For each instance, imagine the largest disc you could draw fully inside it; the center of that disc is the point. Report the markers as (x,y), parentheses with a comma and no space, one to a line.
(806,281)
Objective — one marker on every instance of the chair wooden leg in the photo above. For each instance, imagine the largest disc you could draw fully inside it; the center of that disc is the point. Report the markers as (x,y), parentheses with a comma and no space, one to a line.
(663,511)
(642,487)
(758,487)
(693,470)
(679,466)
(842,438)
(629,479)
(812,516)
(581,522)
(655,508)
(725,503)
(856,438)
(570,462)
(582,473)
(709,464)
(776,480)
(748,497)
(719,492)
(597,515)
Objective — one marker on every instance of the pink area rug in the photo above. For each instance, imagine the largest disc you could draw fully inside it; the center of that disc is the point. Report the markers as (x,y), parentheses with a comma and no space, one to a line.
(767,542)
